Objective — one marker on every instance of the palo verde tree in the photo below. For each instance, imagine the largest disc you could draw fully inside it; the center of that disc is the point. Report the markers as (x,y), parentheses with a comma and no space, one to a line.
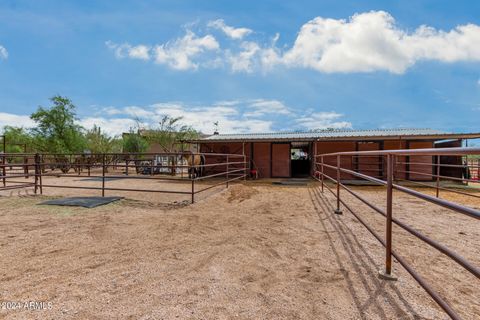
(99,142)
(171,134)
(134,142)
(56,129)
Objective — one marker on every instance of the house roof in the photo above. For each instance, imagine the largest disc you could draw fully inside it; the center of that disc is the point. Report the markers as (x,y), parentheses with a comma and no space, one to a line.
(376,134)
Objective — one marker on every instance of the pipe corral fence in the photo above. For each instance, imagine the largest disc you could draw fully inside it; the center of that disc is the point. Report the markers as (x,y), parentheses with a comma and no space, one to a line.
(331,168)
(185,168)
(396,166)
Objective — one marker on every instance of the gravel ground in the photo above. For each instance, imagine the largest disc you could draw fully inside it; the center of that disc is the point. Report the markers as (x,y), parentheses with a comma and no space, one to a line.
(250,252)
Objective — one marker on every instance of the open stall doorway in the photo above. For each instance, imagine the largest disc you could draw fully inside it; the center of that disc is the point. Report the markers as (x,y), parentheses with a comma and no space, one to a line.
(300,159)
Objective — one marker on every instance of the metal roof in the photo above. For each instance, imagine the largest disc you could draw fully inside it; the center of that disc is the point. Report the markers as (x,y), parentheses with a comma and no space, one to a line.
(341,135)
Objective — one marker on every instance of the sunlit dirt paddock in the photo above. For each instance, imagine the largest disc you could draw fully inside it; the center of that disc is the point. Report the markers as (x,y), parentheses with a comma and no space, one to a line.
(252,251)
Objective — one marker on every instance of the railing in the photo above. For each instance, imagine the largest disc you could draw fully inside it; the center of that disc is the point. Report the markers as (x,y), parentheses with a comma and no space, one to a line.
(183,167)
(388,176)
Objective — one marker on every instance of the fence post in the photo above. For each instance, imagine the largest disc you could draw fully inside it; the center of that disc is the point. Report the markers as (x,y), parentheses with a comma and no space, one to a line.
(25,168)
(338,210)
(387,275)
(103,175)
(245,169)
(228,168)
(438,177)
(42,170)
(37,171)
(321,170)
(4,168)
(191,172)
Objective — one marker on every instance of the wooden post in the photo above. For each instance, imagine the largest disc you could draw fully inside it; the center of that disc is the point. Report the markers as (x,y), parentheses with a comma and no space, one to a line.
(338,210)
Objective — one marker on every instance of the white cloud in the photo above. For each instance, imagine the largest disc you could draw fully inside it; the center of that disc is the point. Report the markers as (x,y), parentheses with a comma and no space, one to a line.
(323,120)
(234,116)
(371,41)
(3,53)
(478,82)
(231,32)
(366,42)
(126,50)
(179,53)
(244,60)
(262,107)
(111,126)
(13,120)
(230,119)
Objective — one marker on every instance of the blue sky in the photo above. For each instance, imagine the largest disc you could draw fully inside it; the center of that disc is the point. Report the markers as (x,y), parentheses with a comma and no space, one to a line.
(251,65)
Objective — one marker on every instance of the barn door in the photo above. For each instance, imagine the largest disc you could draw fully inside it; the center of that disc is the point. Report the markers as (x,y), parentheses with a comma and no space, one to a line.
(281,160)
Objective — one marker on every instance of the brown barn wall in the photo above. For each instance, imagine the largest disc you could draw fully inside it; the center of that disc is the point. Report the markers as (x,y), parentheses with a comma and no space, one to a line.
(400,160)
(261,158)
(281,160)
(369,165)
(224,148)
(420,159)
(336,146)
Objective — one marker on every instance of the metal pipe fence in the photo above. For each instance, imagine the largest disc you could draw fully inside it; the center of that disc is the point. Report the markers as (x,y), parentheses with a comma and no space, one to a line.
(334,163)
(183,167)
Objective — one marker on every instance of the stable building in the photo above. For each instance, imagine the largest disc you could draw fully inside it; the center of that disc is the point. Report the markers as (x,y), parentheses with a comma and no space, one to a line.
(291,154)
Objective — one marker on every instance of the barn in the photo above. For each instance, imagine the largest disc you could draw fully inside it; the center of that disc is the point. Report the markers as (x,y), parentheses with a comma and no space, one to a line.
(291,154)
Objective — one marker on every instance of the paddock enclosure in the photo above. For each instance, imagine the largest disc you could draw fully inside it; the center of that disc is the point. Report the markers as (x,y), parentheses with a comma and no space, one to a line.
(172,177)
(375,233)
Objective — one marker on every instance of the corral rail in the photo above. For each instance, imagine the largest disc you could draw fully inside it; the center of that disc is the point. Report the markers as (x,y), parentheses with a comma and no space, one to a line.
(332,167)
(182,167)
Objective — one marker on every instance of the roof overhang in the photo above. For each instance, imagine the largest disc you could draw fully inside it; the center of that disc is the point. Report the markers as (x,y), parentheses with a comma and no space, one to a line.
(434,137)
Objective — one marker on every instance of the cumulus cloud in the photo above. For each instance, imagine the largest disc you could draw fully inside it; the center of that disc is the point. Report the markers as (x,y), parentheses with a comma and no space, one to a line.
(261,107)
(366,42)
(3,53)
(243,60)
(231,32)
(179,53)
(126,50)
(111,126)
(233,116)
(371,41)
(323,120)
(239,116)
(13,120)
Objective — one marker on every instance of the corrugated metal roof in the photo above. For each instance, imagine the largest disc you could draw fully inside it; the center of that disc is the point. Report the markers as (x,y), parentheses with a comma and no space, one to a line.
(331,134)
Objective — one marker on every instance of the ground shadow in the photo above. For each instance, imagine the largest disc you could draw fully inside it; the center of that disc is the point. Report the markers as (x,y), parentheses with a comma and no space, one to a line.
(362,262)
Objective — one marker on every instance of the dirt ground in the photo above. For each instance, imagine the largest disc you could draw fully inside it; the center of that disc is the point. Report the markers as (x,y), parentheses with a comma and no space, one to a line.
(252,251)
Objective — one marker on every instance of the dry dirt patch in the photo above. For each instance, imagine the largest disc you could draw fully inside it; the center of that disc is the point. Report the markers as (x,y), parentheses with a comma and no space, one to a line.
(249,252)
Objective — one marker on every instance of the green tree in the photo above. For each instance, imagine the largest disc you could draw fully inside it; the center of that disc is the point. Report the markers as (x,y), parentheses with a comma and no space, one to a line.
(134,142)
(57,130)
(17,139)
(171,133)
(99,142)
